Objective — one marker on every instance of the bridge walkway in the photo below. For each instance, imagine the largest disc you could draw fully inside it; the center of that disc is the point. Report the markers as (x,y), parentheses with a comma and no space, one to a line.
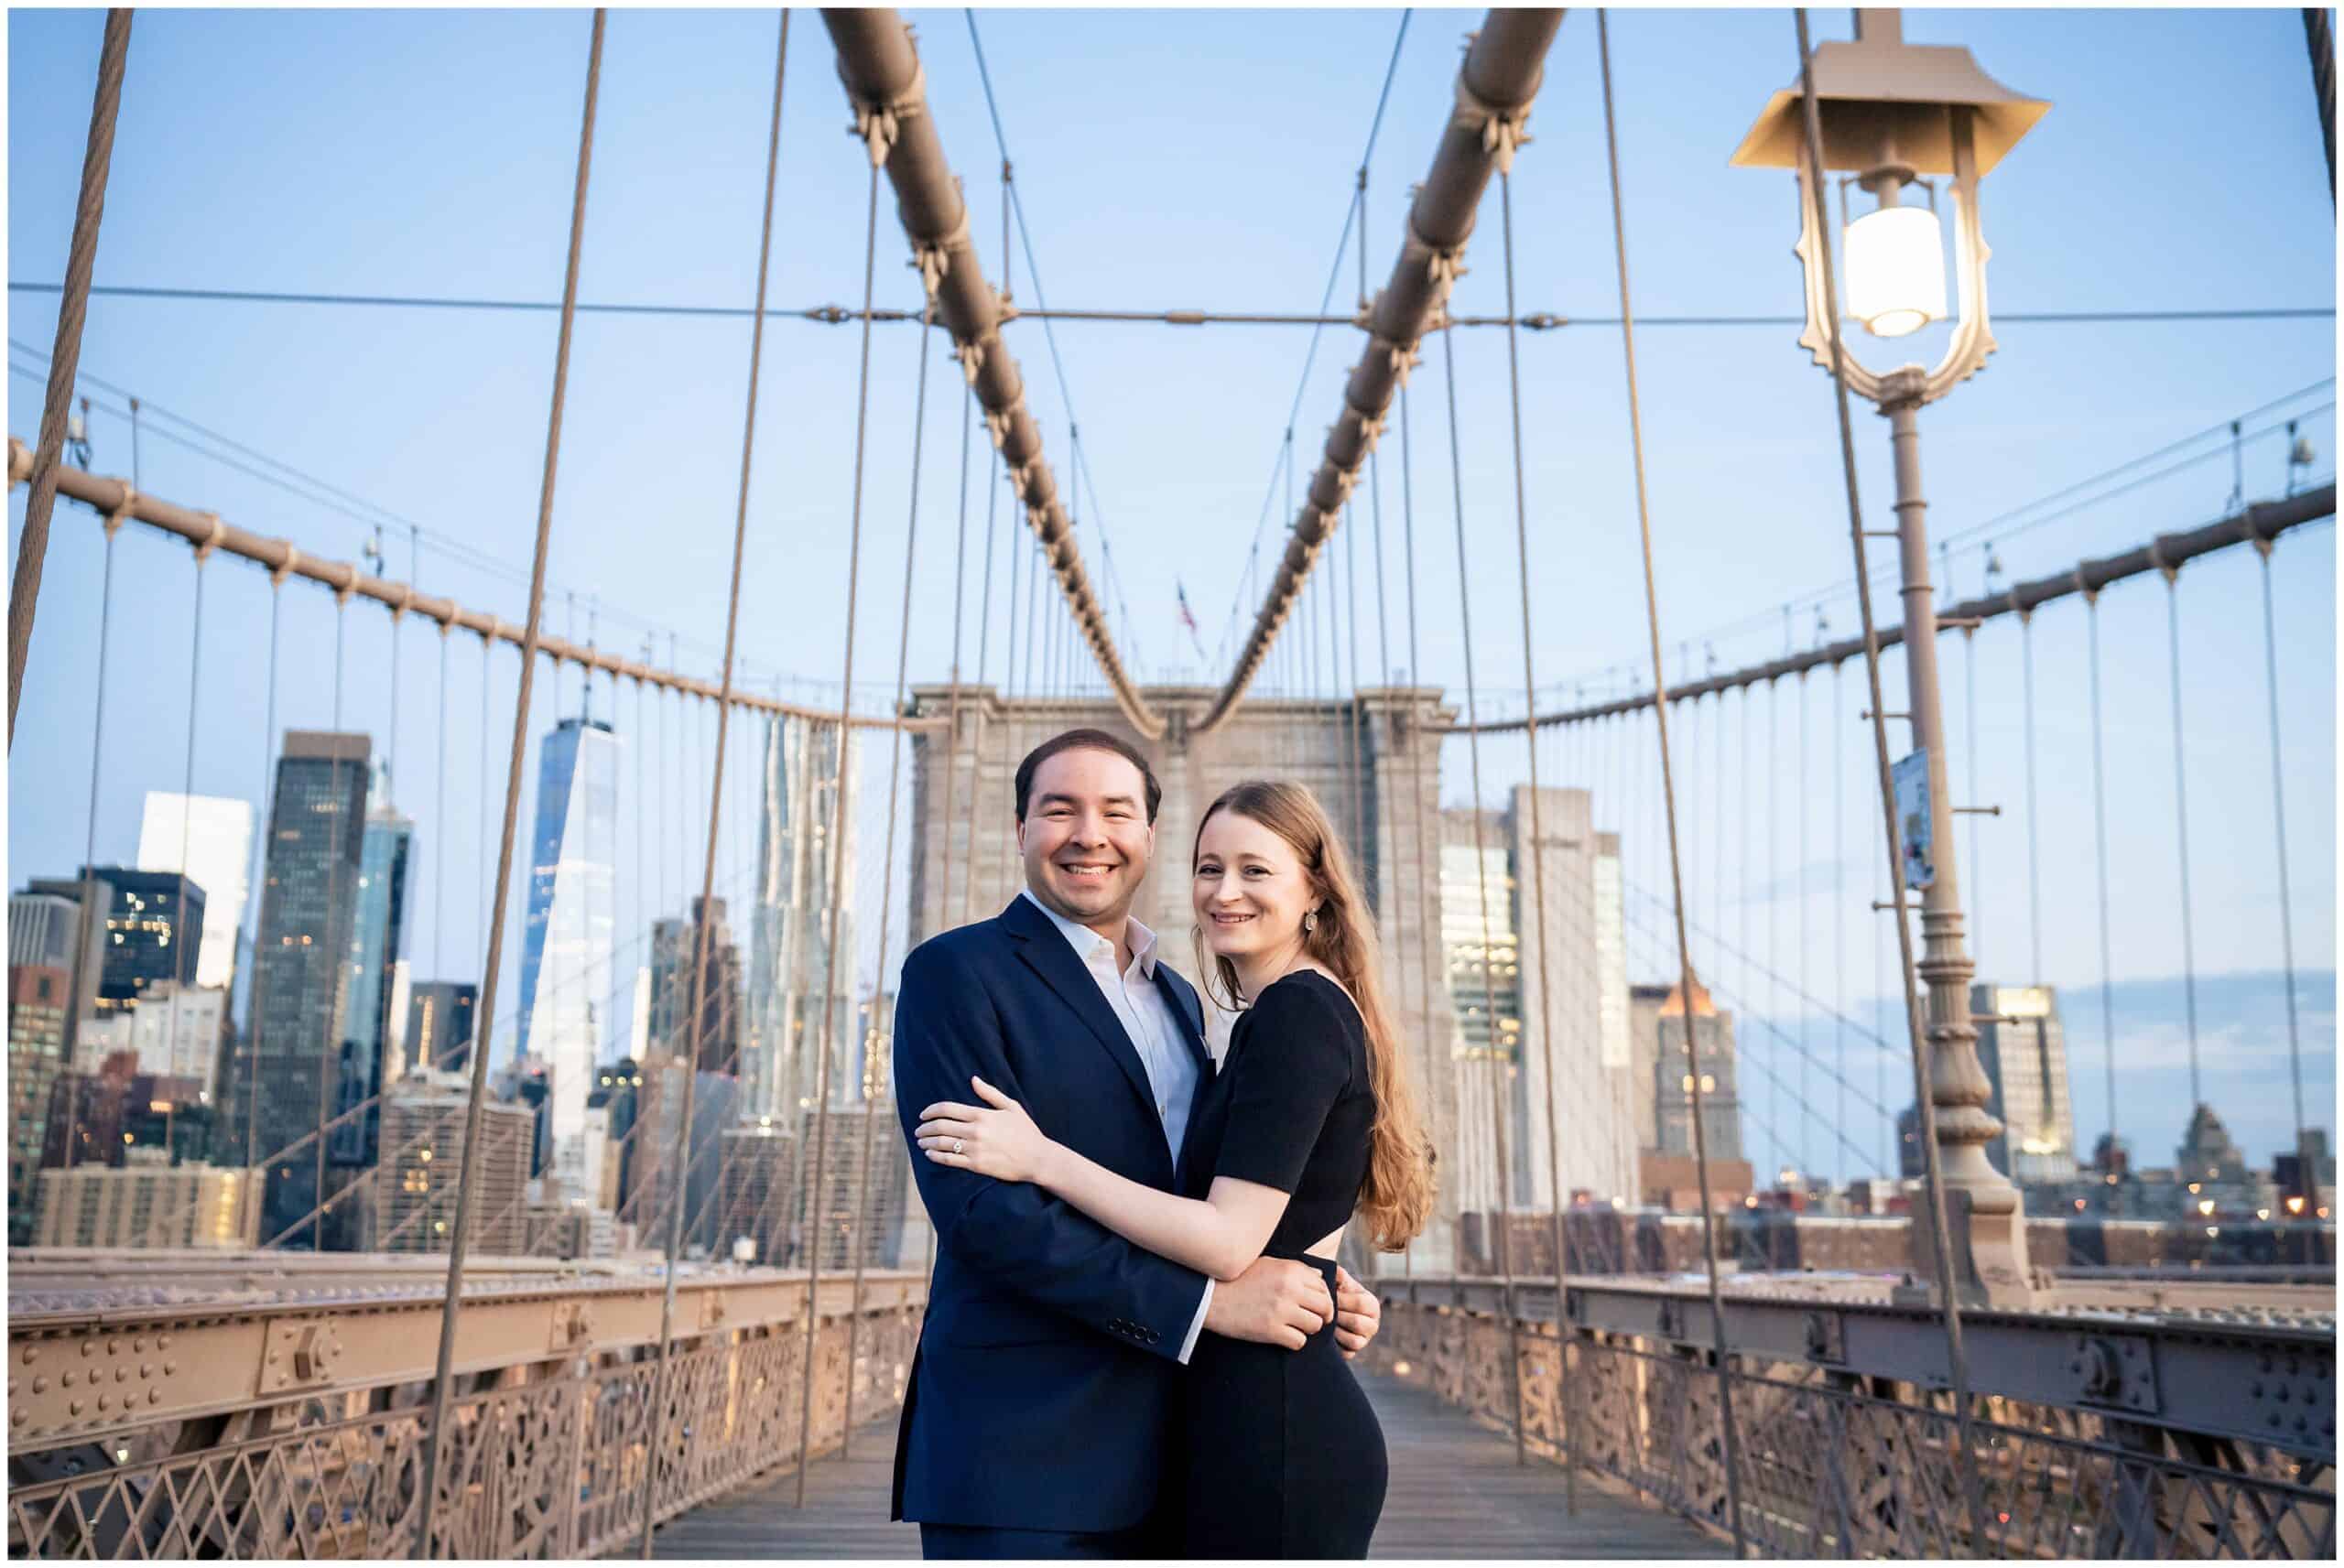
(1456,1493)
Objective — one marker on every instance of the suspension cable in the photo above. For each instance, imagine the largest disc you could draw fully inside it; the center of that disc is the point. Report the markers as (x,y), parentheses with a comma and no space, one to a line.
(182,971)
(1495,1049)
(1009,722)
(1668,796)
(2100,845)
(1806,1104)
(254,1012)
(329,1074)
(2306,1178)
(1538,832)
(444,1367)
(1891,832)
(2033,821)
(984,646)
(705,916)
(86,917)
(81,256)
(959,600)
(886,893)
(838,829)
(1839,894)
(1428,923)
(2181,828)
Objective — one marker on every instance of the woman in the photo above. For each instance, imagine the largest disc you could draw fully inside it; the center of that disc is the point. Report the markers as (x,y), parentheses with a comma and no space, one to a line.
(1308,1119)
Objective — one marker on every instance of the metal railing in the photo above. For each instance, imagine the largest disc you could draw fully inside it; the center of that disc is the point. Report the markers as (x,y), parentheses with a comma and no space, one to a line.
(1838,1461)
(551,1428)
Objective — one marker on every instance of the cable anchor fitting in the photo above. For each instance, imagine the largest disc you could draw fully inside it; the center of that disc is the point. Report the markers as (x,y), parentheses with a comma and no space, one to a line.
(881,125)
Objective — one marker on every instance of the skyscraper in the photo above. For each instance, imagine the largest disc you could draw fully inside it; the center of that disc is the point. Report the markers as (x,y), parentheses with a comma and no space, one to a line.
(567,980)
(377,933)
(1575,990)
(1484,961)
(2024,1053)
(802,769)
(439,1027)
(718,1041)
(1658,1013)
(144,938)
(37,994)
(291,1053)
(217,836)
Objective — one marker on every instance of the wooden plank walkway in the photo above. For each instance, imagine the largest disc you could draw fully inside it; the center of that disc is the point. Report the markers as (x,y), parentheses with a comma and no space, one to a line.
(1455,1492)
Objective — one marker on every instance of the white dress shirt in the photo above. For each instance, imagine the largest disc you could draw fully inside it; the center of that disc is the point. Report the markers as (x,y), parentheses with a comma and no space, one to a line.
(1142,1008)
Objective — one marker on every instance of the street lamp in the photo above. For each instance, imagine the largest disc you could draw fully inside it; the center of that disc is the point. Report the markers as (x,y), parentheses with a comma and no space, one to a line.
(1891,113)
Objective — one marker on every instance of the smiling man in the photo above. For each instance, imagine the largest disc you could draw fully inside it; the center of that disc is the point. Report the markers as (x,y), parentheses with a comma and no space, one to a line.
(1038,1418)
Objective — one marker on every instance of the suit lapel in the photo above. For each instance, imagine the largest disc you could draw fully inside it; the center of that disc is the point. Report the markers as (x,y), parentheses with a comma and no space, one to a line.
(1048,953)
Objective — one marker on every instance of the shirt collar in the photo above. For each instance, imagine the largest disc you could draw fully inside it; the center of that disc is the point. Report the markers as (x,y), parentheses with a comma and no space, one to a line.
(1083,939)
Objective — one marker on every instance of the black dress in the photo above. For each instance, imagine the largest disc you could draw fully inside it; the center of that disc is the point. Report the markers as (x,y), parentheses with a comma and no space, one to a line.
(1281,1454)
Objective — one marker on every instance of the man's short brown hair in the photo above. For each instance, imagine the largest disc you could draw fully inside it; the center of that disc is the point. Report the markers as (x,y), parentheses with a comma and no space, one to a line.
(1085,741)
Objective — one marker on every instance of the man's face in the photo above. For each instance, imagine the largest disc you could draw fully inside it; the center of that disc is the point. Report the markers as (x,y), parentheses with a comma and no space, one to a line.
(1086,838)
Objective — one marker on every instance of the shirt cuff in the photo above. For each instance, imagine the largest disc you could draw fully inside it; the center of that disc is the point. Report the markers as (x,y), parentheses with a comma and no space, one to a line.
(1203,1306)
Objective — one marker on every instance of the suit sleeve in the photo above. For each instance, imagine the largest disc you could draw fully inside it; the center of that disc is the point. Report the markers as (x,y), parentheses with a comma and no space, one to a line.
(1019,1237)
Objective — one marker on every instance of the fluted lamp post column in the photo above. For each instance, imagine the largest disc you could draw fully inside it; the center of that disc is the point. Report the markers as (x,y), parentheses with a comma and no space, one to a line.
(1894,113)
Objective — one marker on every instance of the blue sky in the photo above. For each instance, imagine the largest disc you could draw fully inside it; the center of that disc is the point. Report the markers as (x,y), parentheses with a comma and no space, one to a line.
(1199,160)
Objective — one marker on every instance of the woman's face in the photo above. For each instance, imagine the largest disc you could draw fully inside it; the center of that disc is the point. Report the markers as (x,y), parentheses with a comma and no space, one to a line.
(1250,890)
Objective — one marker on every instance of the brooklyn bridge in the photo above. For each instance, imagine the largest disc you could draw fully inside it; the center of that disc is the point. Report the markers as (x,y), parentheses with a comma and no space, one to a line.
(460,1125)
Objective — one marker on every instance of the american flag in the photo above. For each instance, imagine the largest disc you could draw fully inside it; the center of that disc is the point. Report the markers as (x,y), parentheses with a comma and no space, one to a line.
(1187,619)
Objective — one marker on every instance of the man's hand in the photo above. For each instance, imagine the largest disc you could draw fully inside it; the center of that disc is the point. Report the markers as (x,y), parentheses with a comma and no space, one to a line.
(1358,1314)
(1274,1301)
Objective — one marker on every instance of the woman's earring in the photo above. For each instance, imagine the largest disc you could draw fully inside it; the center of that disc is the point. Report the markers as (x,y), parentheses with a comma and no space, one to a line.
(1310,921)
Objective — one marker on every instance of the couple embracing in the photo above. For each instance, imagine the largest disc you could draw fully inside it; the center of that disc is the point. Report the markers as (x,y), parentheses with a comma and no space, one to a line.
(1136,1332)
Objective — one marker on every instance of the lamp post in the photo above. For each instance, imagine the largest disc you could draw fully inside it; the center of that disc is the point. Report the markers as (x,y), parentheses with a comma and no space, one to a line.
(1893,113)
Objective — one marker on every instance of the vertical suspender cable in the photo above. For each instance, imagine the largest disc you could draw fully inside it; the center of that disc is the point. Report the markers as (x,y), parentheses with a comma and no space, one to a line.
(182,972)
(704,917)
(1891,834)
(328,1060)
(1009,696)
(2181,825)
(2100,844)
(837,823)
(2305,1176)
(1773,905)
(1429,925)
(254,1184)
(65,359)
(960,599)
(984,646)
(1669,796)
(2034,822)
(1537,833)
(1493,1048)
(435,1448)
(1970,766)
(1839,901)
(1806,1101)
(87,919)
(887,880)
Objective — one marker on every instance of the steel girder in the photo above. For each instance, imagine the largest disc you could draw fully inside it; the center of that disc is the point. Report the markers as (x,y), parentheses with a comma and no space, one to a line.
(884,86)
(1502,69)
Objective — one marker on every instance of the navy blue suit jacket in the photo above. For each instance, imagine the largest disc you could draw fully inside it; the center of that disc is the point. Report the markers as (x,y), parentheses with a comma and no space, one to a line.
(1041,1396)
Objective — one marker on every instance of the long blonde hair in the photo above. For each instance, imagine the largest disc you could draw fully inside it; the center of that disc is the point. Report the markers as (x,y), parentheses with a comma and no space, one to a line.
(1396,1199)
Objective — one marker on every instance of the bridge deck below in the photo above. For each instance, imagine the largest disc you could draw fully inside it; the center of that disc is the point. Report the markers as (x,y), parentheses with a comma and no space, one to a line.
(1455,1492)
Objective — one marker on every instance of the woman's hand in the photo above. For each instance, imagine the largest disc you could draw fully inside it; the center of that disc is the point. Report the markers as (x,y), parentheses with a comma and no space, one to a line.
(1002,1142)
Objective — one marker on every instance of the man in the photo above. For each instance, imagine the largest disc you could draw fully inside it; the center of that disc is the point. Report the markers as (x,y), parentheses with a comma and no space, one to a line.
(1037,1419)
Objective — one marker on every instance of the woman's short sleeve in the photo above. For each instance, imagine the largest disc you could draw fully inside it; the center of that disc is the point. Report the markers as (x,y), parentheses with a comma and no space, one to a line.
(1295,1061)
